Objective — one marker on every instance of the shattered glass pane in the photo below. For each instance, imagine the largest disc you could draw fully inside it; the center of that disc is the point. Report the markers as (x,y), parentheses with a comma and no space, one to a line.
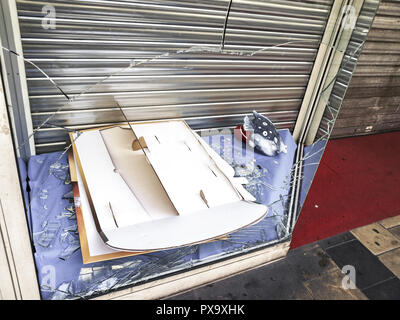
(49,231)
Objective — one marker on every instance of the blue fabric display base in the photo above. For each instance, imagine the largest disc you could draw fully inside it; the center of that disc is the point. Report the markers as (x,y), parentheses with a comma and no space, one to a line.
(52,222)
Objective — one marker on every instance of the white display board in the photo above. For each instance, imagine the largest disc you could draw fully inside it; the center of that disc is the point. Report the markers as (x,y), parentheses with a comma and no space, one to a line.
(173,191)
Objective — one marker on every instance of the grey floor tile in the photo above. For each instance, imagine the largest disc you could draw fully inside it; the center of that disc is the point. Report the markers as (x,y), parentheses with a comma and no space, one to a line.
(336,240)
(387,290)
(276,281)
(329,287)
(376,238)
(395,231)
(391,260)
(308,272)
(310,261)
(369,270)
(390,222)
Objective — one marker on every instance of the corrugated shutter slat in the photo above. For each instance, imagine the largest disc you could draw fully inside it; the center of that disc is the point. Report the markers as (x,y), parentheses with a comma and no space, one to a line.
(93,39)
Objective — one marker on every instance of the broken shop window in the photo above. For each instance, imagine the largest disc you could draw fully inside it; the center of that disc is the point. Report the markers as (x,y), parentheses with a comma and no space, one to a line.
(55,231)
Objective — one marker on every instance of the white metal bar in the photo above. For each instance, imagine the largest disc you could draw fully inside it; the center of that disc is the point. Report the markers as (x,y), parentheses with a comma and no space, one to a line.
(327,85)
(17,255)
(326,66)
(15,79)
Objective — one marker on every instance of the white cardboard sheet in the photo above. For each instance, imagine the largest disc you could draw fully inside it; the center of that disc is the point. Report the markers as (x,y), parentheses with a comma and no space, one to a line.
(95,244)
(196,201)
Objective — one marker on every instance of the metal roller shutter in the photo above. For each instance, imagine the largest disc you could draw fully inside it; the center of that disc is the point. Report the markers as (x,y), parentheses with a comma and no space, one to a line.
(372,103)
(372,100)
(94,39)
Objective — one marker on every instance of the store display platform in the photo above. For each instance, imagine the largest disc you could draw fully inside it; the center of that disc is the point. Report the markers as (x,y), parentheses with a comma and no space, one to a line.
(61,272)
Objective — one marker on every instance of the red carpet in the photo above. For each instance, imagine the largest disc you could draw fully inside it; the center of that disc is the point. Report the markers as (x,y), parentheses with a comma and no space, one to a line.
(357,183)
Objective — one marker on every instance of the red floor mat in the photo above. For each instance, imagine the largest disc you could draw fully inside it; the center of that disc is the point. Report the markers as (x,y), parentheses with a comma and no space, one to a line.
(357,183)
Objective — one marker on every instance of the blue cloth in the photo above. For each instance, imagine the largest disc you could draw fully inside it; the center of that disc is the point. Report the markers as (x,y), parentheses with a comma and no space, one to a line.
(312,157)
(61,272)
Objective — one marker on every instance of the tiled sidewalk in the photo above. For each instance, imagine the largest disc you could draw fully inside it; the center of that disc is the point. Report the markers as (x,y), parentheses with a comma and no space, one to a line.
(314,271)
